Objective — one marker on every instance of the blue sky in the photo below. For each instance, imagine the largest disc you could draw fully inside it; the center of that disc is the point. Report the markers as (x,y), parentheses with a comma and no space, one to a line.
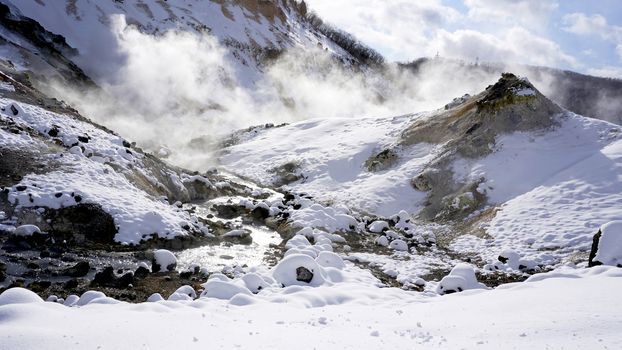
(580,35)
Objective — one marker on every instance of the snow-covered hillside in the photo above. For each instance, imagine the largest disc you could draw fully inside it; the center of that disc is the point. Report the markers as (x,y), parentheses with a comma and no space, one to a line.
(541,186)
(251,30)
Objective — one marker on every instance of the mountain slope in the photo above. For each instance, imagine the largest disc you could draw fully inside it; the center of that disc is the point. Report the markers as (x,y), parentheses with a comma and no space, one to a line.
(506,167)
(252,30)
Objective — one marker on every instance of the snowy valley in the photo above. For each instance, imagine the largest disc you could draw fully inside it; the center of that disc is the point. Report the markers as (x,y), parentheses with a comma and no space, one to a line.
(237,174)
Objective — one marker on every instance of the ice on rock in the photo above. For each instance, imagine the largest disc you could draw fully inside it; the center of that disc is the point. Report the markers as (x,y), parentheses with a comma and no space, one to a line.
(163,260)
(222,290)
(609,250)
(299,270)
(19,295)
(461,277)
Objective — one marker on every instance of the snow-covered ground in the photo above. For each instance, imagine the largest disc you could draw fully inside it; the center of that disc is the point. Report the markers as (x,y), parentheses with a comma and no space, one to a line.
(91,166)
(551,189)
(567,309)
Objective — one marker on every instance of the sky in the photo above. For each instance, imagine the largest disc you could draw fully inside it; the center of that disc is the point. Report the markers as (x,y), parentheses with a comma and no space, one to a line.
(579,35)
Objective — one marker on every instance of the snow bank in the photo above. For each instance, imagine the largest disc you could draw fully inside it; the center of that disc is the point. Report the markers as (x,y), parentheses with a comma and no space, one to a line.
(345,316)
(19,296)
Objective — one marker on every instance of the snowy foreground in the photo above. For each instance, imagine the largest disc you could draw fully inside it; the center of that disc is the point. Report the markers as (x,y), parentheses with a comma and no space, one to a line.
(567,309)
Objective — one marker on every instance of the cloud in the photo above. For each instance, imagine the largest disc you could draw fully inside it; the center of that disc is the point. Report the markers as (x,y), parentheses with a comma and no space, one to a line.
(514,45)
(596,24)
(534,14)
(407,30)
(398,28)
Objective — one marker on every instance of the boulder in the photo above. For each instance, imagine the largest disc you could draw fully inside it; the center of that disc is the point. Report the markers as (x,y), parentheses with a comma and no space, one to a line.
(78,270)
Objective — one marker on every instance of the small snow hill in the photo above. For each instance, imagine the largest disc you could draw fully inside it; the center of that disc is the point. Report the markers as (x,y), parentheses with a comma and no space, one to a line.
(506,168)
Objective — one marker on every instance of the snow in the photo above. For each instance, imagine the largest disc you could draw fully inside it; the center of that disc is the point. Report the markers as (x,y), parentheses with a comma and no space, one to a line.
(610,244)
(378,226)
(286,271)
(96,171)
(556,311)
(461,278)
(549,190)
(89,28)
(19,296)
(165,259)
(399,245)
(26,230)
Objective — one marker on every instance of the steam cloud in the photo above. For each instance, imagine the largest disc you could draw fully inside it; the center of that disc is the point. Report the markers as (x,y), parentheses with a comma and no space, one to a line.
(178,93)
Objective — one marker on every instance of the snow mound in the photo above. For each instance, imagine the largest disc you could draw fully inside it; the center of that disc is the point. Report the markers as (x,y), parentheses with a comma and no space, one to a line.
(183,293)
(330,259)
(26,230)
(222,290)
(610,244)
(461,278)
(299,270)
(19,296)
(163,260)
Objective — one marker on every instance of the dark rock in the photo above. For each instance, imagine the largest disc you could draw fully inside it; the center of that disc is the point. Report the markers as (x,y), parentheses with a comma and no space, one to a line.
(105,277)
(260,213)
(53,132)
(58,195)
(39,286)
(141,272)
(21,188)
(80,269)
(77,198)
(594,250)
(303,274)
(155,267)
(228,211)
(71,284)
(33,266)
(288,197)
(14,110)
(83,139)
(2,272)
(81,224)
(502,259)
(185,274)
(126,144)
(125,280)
